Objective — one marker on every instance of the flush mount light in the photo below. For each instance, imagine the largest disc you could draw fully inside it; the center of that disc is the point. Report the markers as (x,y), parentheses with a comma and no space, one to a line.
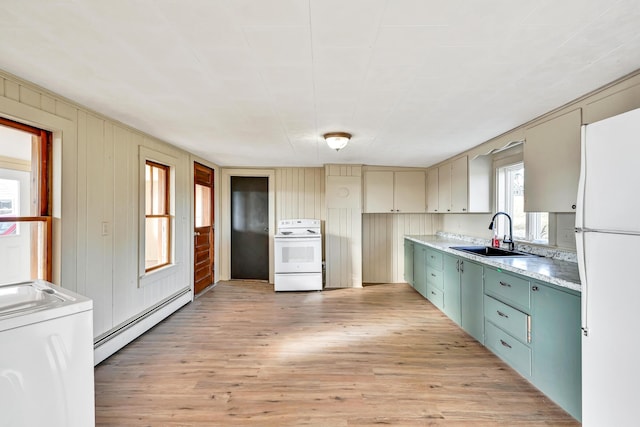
(337,140)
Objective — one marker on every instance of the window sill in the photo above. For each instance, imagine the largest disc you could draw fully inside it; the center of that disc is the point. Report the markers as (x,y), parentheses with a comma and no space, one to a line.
(155,275)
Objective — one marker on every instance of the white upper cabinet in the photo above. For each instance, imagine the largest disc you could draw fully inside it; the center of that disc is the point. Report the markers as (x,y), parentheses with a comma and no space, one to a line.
(444,188)
(452,186)
(459,189)
(410,191)
(552,164)
(378,191)
(432,190)
(462,185)
(388,191)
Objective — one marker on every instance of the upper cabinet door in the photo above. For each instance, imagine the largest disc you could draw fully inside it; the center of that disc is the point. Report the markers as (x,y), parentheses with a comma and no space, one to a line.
(444,188)
(410,191)
(552,164)
(432,190)
(395,191)
(459,188)
(378,192)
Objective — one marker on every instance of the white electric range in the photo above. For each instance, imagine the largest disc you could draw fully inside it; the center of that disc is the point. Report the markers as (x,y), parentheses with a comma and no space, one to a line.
(298,255)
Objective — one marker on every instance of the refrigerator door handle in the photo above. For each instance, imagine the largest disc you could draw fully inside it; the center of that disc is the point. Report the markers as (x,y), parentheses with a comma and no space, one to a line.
(582,180)
(584,298)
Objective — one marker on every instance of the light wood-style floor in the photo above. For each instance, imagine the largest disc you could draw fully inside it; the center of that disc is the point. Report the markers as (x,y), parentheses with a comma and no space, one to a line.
(382,355)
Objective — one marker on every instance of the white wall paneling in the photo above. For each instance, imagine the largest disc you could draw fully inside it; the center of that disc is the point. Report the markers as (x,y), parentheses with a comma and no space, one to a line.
(300,193)
(293,192)
(383,244)
(95,207)
(343,237)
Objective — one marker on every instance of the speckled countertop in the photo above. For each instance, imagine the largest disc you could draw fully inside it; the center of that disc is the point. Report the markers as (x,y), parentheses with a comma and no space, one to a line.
(550,270)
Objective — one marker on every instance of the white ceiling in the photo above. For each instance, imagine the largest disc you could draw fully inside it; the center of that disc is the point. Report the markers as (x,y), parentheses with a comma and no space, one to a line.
(257,82)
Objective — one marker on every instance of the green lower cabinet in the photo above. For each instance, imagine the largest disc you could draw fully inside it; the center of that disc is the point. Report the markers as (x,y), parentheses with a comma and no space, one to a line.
(533,326)
(408,261)
(419,269)
(509,349)
(556,345)
(471,299)
(451,282)
(436,296)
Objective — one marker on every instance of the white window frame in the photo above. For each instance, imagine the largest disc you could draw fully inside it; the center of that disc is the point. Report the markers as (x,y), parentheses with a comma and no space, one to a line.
(510,158)
(147,154)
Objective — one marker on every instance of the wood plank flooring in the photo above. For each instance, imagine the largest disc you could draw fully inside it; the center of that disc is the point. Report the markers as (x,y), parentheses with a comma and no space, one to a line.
(381,355)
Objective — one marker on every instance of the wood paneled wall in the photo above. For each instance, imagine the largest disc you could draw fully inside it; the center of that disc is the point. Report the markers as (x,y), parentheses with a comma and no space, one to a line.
(96,205)
(383,244)
(343,238)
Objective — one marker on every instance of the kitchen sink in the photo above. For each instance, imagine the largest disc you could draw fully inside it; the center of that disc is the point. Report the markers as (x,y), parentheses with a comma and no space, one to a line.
(490,251)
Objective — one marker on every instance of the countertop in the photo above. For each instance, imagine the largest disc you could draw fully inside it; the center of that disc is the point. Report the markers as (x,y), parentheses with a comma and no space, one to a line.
(560,273)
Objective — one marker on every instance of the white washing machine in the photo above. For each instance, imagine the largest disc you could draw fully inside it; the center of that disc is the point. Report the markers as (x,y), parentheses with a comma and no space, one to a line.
(46,356)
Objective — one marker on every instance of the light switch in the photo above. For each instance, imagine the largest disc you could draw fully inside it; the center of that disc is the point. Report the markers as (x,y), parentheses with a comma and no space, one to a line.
(105,228)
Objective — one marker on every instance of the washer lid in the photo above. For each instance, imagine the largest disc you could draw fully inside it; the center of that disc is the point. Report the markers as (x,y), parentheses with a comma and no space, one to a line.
(30,302)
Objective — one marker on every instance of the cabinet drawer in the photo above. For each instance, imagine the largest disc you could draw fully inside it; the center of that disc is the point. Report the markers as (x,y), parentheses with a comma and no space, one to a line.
(435,278)
(436,296)
(507,318)
(509,349)
(508,288)
(434,259)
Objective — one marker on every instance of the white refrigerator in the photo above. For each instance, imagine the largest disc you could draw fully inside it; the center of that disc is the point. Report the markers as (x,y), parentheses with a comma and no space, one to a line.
(608,245)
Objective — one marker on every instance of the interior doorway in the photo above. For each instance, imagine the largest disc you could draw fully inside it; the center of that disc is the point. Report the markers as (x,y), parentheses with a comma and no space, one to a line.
(204,221)
(250,227)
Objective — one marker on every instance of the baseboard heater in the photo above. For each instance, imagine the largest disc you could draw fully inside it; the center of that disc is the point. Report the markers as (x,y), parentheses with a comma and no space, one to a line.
(122,335)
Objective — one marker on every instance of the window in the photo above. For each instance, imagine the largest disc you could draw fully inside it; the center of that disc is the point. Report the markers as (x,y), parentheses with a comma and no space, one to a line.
(25,220)
(527,226)
(157,216)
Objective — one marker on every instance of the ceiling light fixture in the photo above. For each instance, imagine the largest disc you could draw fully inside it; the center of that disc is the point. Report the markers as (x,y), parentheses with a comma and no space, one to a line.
(337,140)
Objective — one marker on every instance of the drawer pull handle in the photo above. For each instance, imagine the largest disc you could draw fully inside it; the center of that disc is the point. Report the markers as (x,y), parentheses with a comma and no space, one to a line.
(433,275)
(501,314)
(433,293)
(505,344)
(505,284)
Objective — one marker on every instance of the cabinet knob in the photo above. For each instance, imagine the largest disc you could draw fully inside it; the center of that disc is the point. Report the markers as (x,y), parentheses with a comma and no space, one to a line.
(464,209)
(573,207)
(448,210)
(534,288)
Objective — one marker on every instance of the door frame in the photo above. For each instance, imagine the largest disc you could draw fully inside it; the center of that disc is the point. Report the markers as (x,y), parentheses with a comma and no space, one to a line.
(225,215)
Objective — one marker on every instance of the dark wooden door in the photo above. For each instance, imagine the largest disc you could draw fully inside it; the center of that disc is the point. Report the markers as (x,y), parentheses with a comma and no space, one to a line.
(249,227)
(204,227)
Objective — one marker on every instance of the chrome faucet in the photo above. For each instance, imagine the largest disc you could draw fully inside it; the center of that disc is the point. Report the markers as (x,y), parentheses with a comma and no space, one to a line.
(509,241)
